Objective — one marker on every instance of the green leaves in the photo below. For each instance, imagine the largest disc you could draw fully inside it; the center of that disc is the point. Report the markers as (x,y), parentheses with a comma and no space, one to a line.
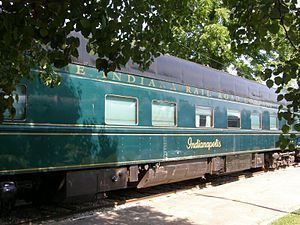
(43,32)
(278,80)
(270,42)
(267,74)
(85,23)
(274,27)
(279,97)
(102,64)
(285,128)
(203,36)
(297,127)
(269,83)
(38,36)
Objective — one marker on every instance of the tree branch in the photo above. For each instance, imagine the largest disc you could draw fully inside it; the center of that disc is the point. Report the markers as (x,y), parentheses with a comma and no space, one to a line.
(282,24)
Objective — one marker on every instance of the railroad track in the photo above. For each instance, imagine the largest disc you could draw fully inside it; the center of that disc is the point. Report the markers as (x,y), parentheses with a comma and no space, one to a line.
(32,214)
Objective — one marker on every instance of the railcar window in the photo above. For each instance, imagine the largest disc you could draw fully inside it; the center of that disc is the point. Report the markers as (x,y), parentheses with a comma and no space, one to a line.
(256,121)
(19,105)
(233,118)
(204,116)
(120,110)
(163,114)
(273,122)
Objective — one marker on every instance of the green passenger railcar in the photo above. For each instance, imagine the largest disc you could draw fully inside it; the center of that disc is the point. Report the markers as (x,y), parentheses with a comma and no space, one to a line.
(98,132)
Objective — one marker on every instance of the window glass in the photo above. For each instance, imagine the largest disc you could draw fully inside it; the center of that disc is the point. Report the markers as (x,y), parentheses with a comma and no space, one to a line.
(204,117)
(120,110)
(163,114)
(273,122)
(19,104)
(255,121)
(233,118)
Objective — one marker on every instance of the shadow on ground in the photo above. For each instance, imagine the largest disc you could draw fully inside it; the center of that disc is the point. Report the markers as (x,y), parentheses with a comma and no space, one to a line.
(248,203)
(135,215)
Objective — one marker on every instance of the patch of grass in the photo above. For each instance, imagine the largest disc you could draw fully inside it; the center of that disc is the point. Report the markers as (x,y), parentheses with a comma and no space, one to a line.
(290,219)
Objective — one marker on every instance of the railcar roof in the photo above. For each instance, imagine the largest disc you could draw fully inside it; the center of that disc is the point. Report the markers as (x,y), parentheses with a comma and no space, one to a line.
(173,69)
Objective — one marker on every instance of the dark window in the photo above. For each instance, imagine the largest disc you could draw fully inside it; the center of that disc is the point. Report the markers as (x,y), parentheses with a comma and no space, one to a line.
(233,118)
(204,117)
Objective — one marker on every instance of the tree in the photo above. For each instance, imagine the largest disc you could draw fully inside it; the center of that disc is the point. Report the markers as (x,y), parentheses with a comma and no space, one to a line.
(204,36)
(36,34)
(272,28)
(260,39)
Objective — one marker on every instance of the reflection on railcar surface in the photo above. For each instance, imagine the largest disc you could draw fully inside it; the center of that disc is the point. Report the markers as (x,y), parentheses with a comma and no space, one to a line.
(19,105)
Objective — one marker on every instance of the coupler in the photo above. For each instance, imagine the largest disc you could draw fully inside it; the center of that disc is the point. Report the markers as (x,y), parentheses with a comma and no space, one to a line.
(8,191)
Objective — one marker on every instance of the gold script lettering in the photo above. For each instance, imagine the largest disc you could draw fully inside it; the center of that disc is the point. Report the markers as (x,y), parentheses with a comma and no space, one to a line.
(203,144)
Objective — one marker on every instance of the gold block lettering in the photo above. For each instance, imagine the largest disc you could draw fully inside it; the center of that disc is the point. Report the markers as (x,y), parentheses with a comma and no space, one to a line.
(116,76)
(151,84)
(102,75)
(188,89)
(131,79)
(196,91)
(208,93)
(80,70)
(142,81)
(173,87)
(162,85)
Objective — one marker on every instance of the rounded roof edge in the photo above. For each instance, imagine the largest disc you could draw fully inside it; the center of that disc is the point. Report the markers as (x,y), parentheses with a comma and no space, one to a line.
(172,69)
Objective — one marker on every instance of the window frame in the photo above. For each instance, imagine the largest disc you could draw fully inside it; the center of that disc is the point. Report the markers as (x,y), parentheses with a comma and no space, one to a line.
(175,114)
(212,110)
(240,118)
(260,120)
(127,97)
(8,120)
(277,121)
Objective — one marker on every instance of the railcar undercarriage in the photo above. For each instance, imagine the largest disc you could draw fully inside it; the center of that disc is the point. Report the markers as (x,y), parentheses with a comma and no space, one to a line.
(88,184)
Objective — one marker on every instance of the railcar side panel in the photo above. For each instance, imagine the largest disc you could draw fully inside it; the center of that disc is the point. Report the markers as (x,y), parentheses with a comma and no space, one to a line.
(65,126)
